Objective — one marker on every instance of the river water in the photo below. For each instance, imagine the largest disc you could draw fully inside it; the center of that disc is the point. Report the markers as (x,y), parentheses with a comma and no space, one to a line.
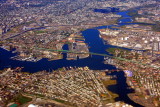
(94,62)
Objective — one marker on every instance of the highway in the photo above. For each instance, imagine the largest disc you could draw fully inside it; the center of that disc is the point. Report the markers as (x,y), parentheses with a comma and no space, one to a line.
(91,53)
(41,27)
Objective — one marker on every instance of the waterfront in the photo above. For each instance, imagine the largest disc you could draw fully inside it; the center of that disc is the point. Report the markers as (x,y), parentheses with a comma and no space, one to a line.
(93,62)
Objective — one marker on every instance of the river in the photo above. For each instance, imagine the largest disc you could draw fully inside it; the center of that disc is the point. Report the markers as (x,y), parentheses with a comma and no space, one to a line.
(94,62)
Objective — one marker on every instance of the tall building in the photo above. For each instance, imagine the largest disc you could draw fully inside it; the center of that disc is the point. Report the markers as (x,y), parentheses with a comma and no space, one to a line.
(156,46)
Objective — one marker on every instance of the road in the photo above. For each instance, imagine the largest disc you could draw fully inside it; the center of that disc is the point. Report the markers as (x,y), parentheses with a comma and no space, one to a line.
(91,53)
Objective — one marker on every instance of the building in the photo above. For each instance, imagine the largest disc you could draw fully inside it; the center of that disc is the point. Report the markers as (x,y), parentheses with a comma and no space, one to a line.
(1,31)
(156,46)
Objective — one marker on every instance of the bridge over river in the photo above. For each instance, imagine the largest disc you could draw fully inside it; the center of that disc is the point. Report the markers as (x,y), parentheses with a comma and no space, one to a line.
(96,62)
(105,55)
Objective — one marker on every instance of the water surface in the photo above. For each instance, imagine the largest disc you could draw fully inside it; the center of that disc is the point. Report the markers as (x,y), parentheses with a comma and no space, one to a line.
(94,62)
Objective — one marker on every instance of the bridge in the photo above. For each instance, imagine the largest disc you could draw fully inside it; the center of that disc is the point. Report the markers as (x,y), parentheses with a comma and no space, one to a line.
(68,51)
(92,53)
